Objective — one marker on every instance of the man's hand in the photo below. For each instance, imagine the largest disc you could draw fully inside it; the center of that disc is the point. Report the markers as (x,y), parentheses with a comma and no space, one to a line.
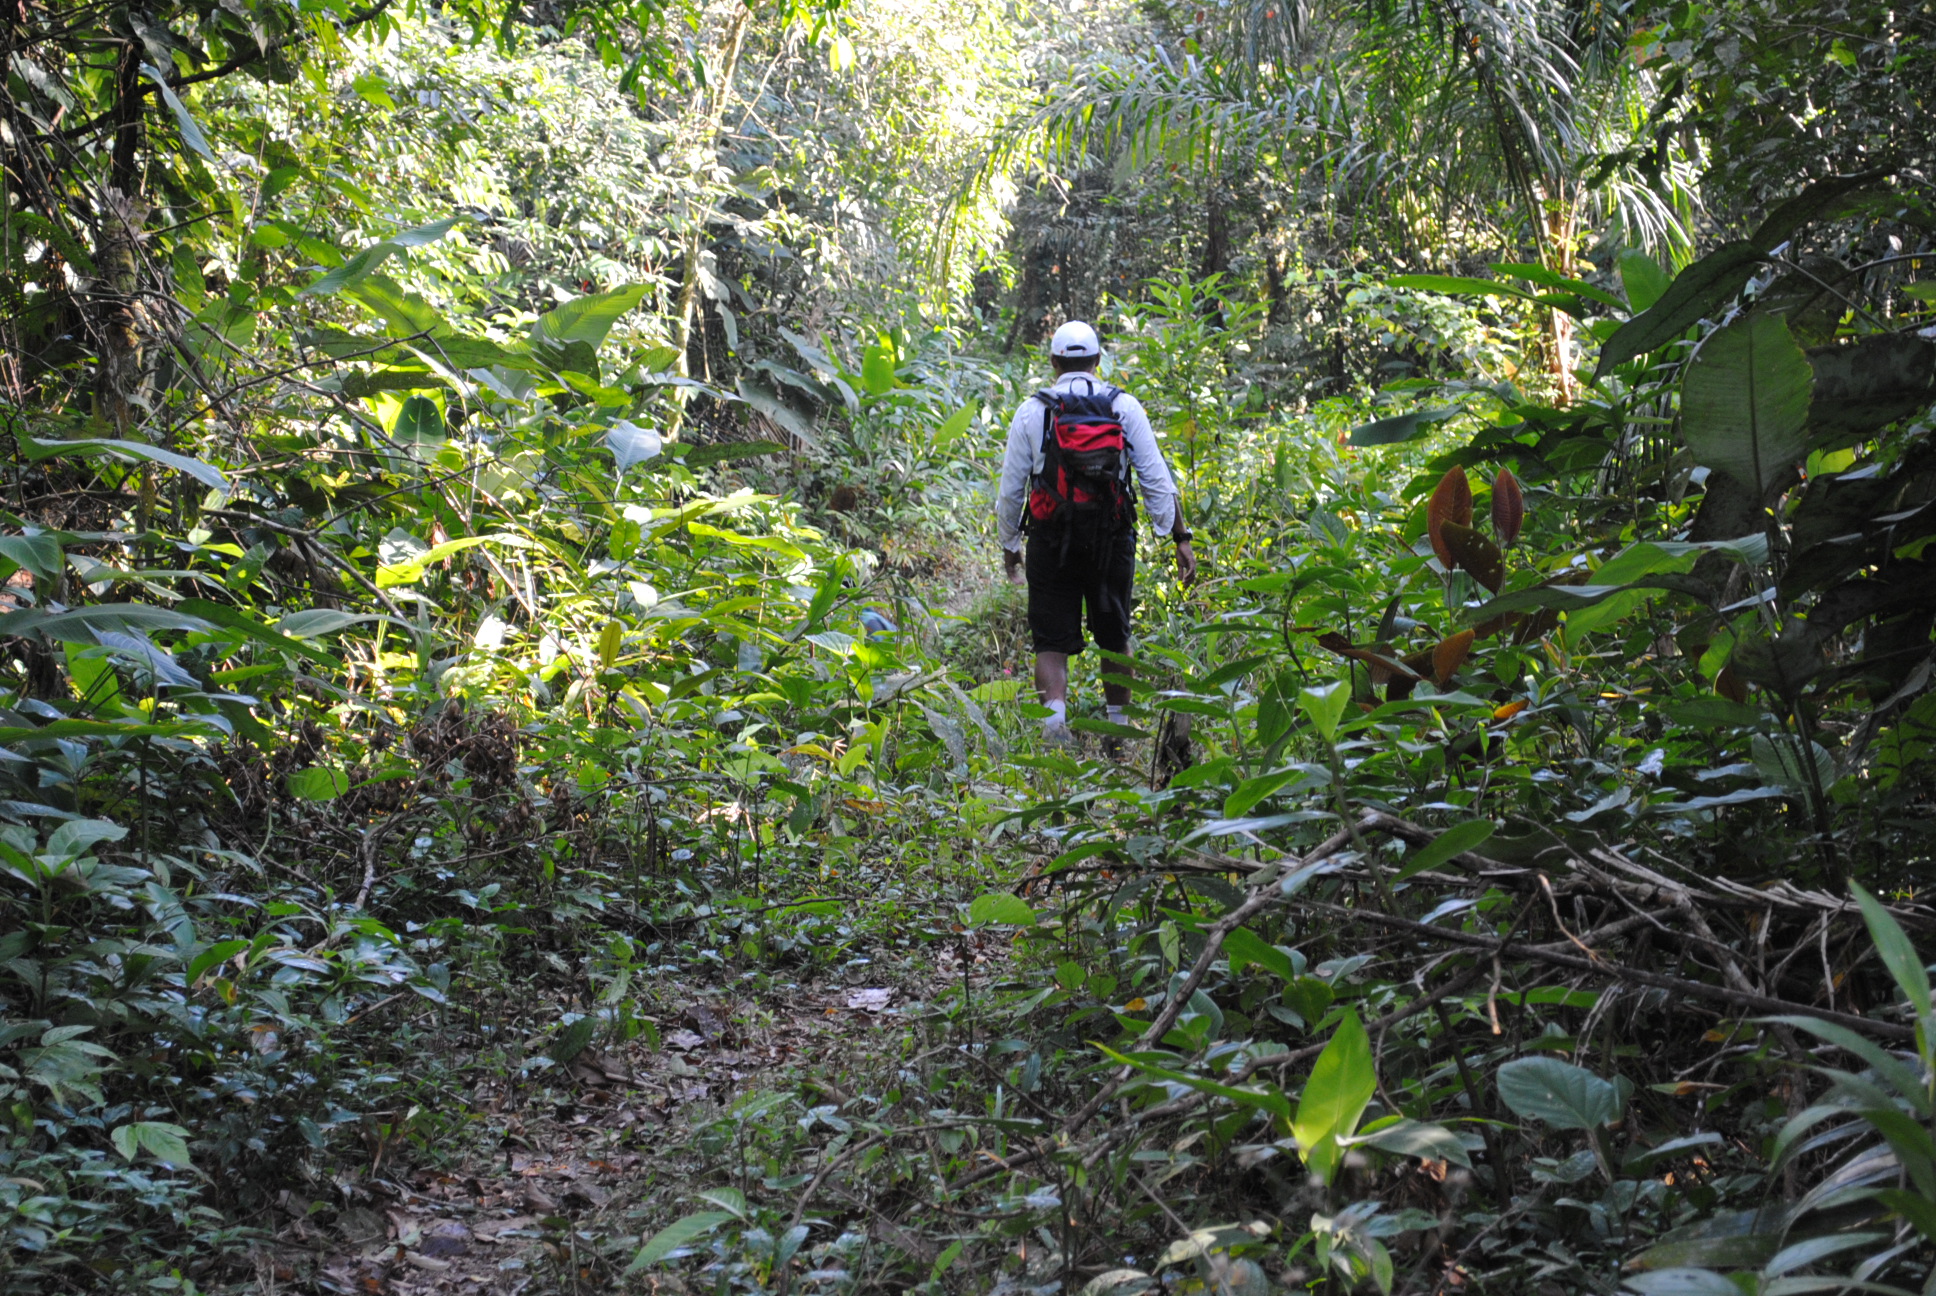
(1186,563)
(1012,565)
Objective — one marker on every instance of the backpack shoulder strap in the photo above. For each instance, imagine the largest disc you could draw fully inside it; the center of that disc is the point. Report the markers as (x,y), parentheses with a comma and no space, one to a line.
(1051,406)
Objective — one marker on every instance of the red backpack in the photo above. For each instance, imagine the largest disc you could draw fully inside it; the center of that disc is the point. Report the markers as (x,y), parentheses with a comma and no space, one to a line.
(1083,483)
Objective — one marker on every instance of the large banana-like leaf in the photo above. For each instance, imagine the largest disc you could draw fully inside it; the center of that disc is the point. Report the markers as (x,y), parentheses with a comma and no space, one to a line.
(1744,402)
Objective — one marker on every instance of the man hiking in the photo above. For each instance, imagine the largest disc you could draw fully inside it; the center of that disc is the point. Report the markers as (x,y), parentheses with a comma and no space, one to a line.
(1065,483)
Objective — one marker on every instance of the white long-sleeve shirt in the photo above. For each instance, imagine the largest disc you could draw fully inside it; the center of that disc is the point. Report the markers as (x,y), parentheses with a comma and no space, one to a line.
(1024,459)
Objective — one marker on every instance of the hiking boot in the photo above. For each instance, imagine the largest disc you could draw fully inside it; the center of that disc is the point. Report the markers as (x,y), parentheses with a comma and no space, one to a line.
(1056,734)
(1112,748)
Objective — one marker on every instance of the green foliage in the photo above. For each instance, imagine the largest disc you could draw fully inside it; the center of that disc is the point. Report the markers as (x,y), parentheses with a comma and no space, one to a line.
(496,547)
(1334,1097)
(1564,1096)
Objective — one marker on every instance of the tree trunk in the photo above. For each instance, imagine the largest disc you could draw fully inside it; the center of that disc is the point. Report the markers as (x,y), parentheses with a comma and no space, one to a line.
(712,107)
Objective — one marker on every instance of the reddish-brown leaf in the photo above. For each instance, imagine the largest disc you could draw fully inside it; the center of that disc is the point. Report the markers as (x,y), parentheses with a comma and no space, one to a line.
(1417,666)
(1508,507)
(1449,656)
(1451,502)
(1376,656)
(1729,685)
(1475,551)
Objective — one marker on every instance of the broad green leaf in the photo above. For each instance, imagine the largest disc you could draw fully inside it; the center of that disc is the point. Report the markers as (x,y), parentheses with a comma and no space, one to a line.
(38,554)
(877,371)
(1816,1249)
(1821,200)
(1918,1209)
(1893,946)
(78,836)
(425,235)
(609,640)
(234,619)
(405,572)
(1253,790)
(407,313)
(1696,293)
(98,729)
(1738,1239)
(1400,428)
(1714,713)
(1000,907)
(1681,1282)
(83,625)
(956,424)
(1245,947)
(94,677)
(1560,1094)
(219,952)
(1781,762)
(586,319)
(364,263)
(1642,278)
(311,623)
(1228,673)
(725,451)
(1457,285)
(727,1199)
(1266,1097)
(191,133)
(947,1257)
(1744,402)
(1413,1138)
(1334,1097)
(419,420)
(574,1039)
(165,1142)
(1326,707)
(352,271)
(825,594)
(318,783)
(791,414)
(1453,841)
(128,452)
(673,1236)
(1547,277)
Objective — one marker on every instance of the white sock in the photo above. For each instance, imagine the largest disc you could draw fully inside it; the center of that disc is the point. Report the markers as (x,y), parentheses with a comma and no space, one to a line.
(1058,715)
(1115,715)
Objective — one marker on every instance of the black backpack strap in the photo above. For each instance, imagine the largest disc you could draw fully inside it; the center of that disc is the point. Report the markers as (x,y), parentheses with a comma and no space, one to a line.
(1051,403)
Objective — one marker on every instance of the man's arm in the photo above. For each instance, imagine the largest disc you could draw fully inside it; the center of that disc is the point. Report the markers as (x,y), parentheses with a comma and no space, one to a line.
(1152,474)
(1011,492)
(1158,487)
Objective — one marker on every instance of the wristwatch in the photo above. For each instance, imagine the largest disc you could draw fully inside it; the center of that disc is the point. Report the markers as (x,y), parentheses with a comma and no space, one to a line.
(1183,537)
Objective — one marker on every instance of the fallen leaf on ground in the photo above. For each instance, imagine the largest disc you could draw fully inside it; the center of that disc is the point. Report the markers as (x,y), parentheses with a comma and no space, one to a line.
(446,1238)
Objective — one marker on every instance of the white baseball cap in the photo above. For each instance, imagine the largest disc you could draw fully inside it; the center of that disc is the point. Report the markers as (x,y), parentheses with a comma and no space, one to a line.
(1075,339)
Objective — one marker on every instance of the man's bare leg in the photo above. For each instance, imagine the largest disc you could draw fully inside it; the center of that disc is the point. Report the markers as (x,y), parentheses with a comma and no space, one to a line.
(1052,677)
(1052,687)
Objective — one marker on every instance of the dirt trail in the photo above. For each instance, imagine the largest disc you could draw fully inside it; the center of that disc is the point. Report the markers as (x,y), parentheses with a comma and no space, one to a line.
(603,1150)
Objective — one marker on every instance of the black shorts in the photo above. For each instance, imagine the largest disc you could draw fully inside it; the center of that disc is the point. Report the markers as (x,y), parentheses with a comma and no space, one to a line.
(1060,585)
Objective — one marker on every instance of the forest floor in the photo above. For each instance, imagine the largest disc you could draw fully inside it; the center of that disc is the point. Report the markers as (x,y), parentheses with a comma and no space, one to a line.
(607,1145)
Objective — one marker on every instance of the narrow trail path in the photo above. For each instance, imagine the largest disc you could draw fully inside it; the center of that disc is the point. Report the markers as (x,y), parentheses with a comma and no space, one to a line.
(588,1158)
